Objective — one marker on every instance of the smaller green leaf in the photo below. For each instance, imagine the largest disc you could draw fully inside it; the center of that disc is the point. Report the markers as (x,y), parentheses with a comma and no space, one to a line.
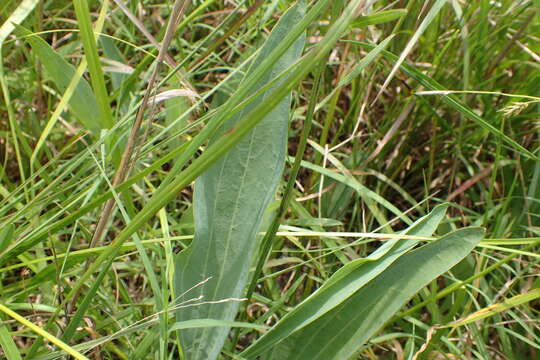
(340,332)
(83,103)
(346,282)
(379,18)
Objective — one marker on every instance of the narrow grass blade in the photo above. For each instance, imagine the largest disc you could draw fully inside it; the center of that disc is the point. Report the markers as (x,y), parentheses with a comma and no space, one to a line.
(53,339)
(345,282)
(379,18)
(8,345)
(408,48)
(17,17)
(453,101)
(230,199)
(356,71)
(361,189)
(496,308)
(92,57)
(209,323)
(341,331)
(64,101)
(6,236)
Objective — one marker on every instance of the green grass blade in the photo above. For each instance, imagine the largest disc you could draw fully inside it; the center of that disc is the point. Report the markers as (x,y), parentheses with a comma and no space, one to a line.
(209,323)
(341,331)
(345,282)
(94,66)
(356,185)
(16,18)
(414,39)
(229,203)
(8,345)
(6,236)
(496,308)
(53,339)
(453,101)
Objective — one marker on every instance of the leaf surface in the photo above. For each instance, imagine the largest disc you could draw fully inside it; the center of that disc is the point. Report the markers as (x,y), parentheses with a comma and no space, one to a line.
(229,202)
(340,332)
(346,282)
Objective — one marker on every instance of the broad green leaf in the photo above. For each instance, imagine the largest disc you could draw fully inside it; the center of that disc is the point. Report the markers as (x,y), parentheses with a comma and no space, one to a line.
(346,282)
(340,332)
(83,103)
(230,199)
(181,179)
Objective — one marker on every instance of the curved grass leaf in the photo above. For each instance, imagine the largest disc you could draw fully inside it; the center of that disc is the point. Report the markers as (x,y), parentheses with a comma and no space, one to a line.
(346,281)
(230,198)
(363,191)
(340,332)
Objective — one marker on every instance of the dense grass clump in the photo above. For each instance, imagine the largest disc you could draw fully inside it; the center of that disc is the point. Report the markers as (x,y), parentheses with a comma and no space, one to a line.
(280,179)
